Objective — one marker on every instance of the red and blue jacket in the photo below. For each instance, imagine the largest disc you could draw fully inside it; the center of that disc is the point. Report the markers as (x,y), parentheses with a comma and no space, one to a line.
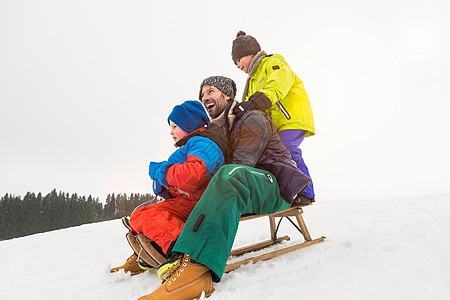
(189,169)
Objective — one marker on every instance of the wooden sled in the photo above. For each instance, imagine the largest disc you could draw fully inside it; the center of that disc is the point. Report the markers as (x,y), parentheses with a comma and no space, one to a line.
(290,212)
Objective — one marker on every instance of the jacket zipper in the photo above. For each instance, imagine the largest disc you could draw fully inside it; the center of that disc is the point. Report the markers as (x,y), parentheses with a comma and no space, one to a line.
(268,176)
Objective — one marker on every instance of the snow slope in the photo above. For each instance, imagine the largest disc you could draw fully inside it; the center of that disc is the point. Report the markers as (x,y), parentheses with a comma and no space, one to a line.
(375,248)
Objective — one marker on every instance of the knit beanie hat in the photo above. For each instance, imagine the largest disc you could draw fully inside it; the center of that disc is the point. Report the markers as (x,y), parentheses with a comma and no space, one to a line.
(189,116)
(225,84)
(244,45)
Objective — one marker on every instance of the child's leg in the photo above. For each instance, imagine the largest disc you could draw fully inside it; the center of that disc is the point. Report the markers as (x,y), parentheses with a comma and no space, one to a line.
(292,138)
(162,222)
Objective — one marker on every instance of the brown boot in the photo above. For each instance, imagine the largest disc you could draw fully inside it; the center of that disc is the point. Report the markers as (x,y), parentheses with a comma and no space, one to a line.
(187,282)
(131,265)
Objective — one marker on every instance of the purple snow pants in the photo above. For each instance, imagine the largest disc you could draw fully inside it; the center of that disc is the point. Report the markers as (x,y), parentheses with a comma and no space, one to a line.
(292,138)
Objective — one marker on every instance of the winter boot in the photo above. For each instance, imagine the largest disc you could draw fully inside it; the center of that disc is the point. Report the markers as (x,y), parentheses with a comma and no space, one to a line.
(302,200)
(166,269)
(131,265)
(188,281)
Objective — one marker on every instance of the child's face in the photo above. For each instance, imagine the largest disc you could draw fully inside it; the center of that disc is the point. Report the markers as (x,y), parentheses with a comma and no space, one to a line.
(244,62)
(176,132)
(214,100)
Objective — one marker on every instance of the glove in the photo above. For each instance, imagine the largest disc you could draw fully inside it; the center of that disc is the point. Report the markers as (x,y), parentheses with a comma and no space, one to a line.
(158,171)
(261,101)
(256,101)
(157,188)
(241,108)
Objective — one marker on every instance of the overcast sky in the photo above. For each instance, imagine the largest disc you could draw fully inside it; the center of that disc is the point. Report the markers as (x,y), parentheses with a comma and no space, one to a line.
(86,88)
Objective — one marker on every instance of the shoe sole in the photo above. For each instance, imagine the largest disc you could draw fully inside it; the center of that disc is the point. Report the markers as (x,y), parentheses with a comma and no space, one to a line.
(126,223)
(139,251)
(206,294)
(146,244)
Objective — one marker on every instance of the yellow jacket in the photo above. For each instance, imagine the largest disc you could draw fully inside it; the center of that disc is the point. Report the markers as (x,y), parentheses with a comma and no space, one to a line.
(291,108)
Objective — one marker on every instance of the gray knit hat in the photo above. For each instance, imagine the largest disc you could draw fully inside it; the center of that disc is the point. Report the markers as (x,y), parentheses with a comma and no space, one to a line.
(244,45)
(225,84)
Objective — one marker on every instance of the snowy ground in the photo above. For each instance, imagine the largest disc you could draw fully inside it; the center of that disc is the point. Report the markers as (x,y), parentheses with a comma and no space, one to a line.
(378,248)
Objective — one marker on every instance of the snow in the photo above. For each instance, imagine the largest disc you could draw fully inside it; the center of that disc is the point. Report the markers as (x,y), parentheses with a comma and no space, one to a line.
(390,248)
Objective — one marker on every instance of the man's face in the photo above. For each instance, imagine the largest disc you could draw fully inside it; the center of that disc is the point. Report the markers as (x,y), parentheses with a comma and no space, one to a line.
(214,100)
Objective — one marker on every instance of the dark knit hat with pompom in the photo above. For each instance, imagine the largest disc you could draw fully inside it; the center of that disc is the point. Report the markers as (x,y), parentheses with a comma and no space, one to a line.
(244,45)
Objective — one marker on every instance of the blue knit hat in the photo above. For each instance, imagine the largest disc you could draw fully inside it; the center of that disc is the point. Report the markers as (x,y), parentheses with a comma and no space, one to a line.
(189,116)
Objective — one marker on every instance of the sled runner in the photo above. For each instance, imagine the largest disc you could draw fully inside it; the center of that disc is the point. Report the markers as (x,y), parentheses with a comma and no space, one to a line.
(142,246)
(274,239)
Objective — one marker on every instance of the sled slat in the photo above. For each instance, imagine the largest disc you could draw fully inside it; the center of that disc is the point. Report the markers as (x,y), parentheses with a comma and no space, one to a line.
(267,256)
(289,212)
(258,246)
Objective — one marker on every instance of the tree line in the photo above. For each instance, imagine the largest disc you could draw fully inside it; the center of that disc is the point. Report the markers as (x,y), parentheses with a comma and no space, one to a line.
(37,213)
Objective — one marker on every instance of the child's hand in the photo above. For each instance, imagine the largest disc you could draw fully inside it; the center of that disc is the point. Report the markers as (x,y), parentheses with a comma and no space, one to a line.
(241,108)
(260,100)
(256,101)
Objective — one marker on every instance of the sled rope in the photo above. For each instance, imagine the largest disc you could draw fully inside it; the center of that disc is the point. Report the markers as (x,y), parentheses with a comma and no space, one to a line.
(278,226)
(292,222)
(139,254)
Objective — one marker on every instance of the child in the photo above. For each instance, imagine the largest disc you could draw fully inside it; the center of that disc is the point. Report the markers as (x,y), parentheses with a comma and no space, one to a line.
(272,86)
(182,179)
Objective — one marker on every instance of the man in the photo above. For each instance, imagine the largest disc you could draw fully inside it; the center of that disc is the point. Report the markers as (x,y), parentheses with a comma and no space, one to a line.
(260,178)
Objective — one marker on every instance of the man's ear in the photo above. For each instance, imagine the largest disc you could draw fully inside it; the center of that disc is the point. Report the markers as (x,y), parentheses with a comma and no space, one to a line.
(228,98)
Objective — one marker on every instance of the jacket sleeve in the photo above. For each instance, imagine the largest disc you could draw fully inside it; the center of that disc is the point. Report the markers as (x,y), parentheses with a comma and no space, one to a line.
(252,137)
(204,158)
(280,79)
(188,175)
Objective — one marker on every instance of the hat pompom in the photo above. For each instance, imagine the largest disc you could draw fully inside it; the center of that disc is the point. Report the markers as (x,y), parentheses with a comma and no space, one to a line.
(240,33)
(244,45)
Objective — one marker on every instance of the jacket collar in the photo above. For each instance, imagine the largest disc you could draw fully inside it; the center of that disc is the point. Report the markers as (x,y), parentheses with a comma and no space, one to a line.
(226,118)
(255,62)
(184,140)
(252,69)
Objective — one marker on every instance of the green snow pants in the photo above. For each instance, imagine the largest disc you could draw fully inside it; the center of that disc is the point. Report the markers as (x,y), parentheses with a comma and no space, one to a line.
(235,190)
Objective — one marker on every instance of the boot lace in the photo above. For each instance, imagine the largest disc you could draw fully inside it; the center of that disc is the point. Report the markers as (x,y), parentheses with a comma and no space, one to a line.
(132,258)
(175,271)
